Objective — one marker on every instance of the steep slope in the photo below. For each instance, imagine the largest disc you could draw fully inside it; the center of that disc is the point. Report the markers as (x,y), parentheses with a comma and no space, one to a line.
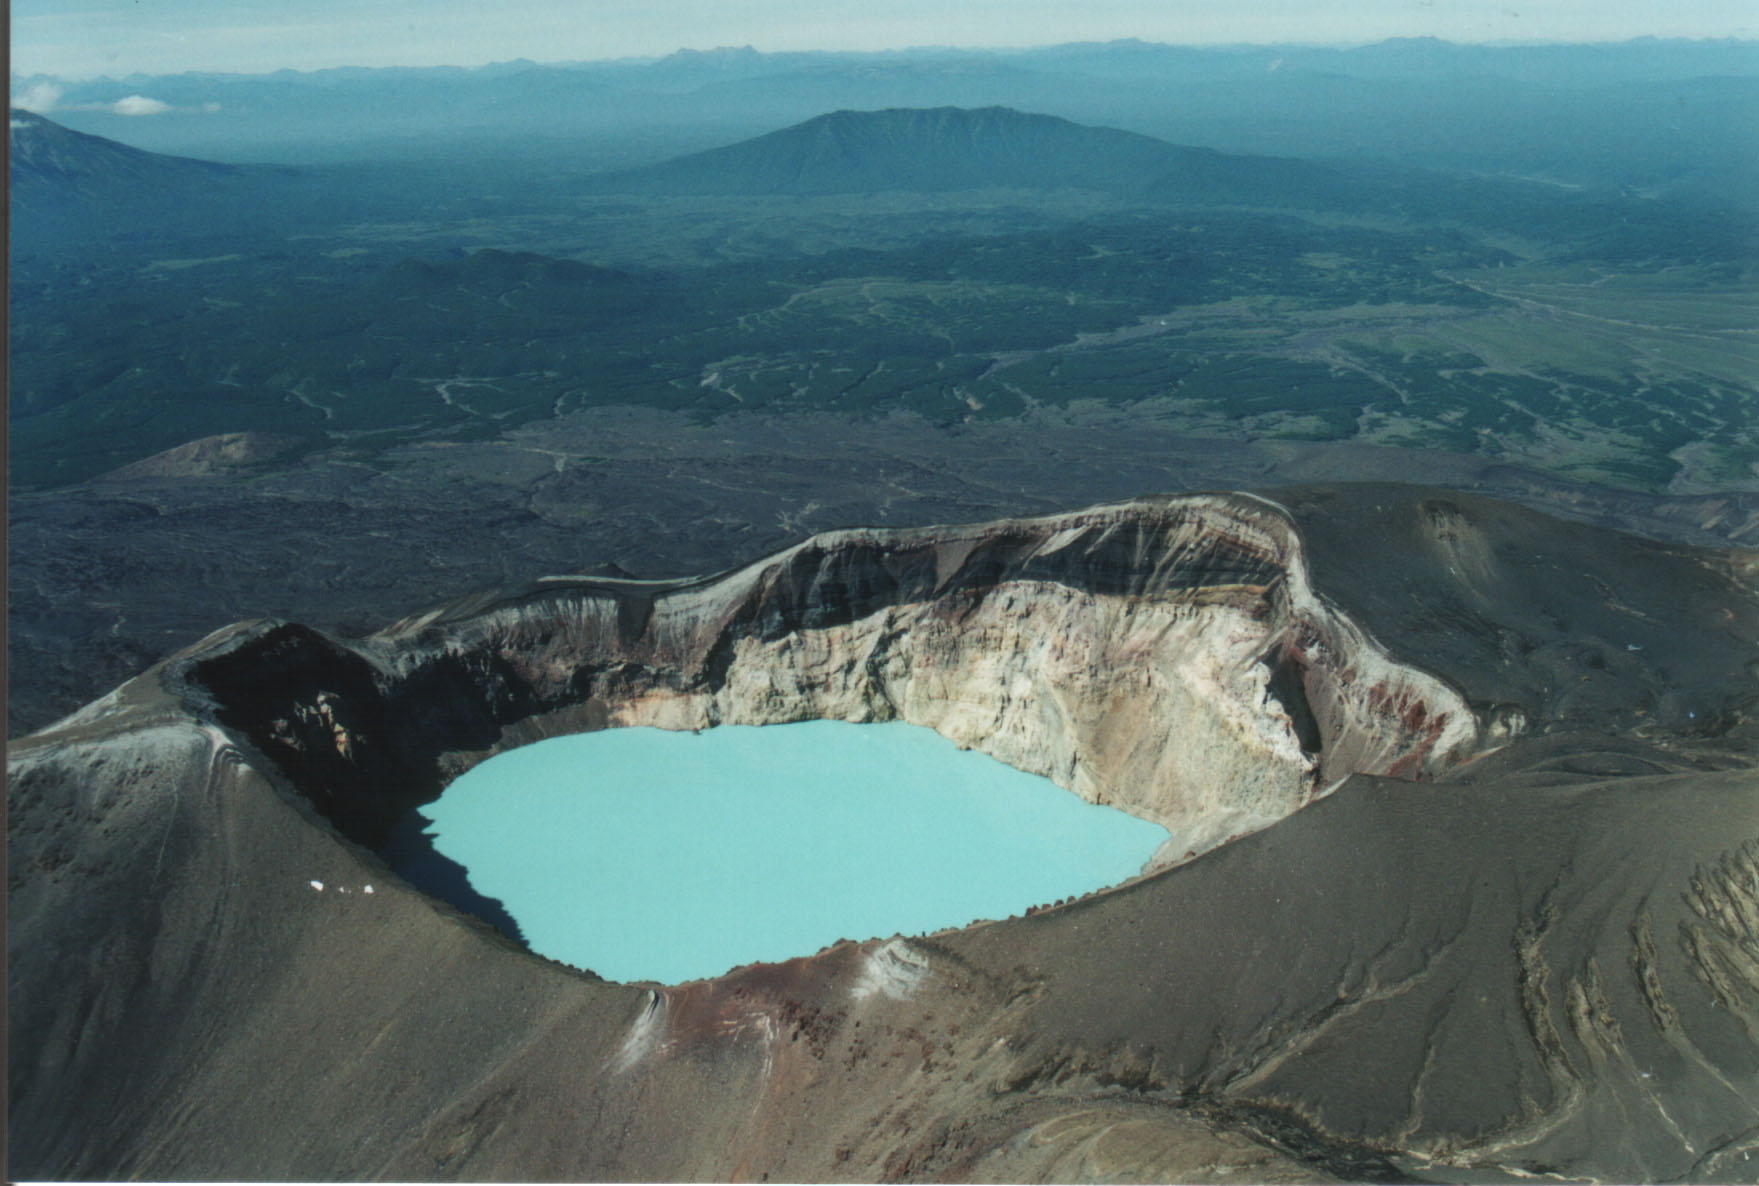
(1583,628)
(1541,957)
(69,189)
(50,159)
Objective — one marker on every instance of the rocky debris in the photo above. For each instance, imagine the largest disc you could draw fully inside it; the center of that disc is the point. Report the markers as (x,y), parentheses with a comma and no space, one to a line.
(227,453)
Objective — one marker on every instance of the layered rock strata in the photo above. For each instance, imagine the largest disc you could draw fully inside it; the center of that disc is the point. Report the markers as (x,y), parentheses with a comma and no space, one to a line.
(1167,657)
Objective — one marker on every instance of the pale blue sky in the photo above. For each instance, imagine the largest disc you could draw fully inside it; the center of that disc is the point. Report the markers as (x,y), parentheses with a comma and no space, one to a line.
(84,38)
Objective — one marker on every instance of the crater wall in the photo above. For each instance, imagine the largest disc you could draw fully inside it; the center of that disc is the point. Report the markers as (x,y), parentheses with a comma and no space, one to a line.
(1164,656)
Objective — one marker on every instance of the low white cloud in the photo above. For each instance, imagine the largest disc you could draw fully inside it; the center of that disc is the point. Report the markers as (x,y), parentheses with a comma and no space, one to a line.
(132,105)
(39,97)
(140,105)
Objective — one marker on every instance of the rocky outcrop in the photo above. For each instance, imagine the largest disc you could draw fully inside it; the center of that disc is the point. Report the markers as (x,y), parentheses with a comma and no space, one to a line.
(226,453)
(1167,657)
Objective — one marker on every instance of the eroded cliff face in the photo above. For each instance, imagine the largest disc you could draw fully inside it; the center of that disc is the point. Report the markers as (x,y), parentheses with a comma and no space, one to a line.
(1167,657)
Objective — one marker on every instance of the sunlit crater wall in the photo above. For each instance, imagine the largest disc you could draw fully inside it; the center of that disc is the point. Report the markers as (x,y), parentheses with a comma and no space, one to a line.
(1166,656)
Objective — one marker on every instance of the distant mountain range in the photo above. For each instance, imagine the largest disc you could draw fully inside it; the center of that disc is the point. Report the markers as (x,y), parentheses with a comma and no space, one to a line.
(57,171)
(69,187)
(1652,115)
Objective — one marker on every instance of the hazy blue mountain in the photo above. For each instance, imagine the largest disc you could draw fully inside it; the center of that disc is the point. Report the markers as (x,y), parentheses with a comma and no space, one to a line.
(69,189)
(72,192)
(952,148)
(54,163)
(1642,59)
(1420,58)
(949,149)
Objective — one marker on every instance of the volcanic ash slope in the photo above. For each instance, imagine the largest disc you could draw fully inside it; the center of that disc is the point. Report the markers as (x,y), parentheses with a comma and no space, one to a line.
(1539,959)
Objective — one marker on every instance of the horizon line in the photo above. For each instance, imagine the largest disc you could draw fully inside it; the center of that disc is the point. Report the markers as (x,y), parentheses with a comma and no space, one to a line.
(975,50)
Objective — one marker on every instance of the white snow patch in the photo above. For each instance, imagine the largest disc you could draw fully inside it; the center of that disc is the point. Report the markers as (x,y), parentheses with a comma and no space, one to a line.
(893,970)
(644,1035)
(318,885)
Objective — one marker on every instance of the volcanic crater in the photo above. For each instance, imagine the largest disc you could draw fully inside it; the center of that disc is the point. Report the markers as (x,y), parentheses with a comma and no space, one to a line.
(1409,924)
(1166,657)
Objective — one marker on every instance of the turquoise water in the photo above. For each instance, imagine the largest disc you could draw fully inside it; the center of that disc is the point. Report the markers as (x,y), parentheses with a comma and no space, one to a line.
(643,854)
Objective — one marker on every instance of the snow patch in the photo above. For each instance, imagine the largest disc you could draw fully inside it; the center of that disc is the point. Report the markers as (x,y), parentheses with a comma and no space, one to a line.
(644,1035)
(893,970)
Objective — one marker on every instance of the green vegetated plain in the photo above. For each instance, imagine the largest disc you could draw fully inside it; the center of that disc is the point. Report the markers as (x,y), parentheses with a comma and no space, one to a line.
(1588,355)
